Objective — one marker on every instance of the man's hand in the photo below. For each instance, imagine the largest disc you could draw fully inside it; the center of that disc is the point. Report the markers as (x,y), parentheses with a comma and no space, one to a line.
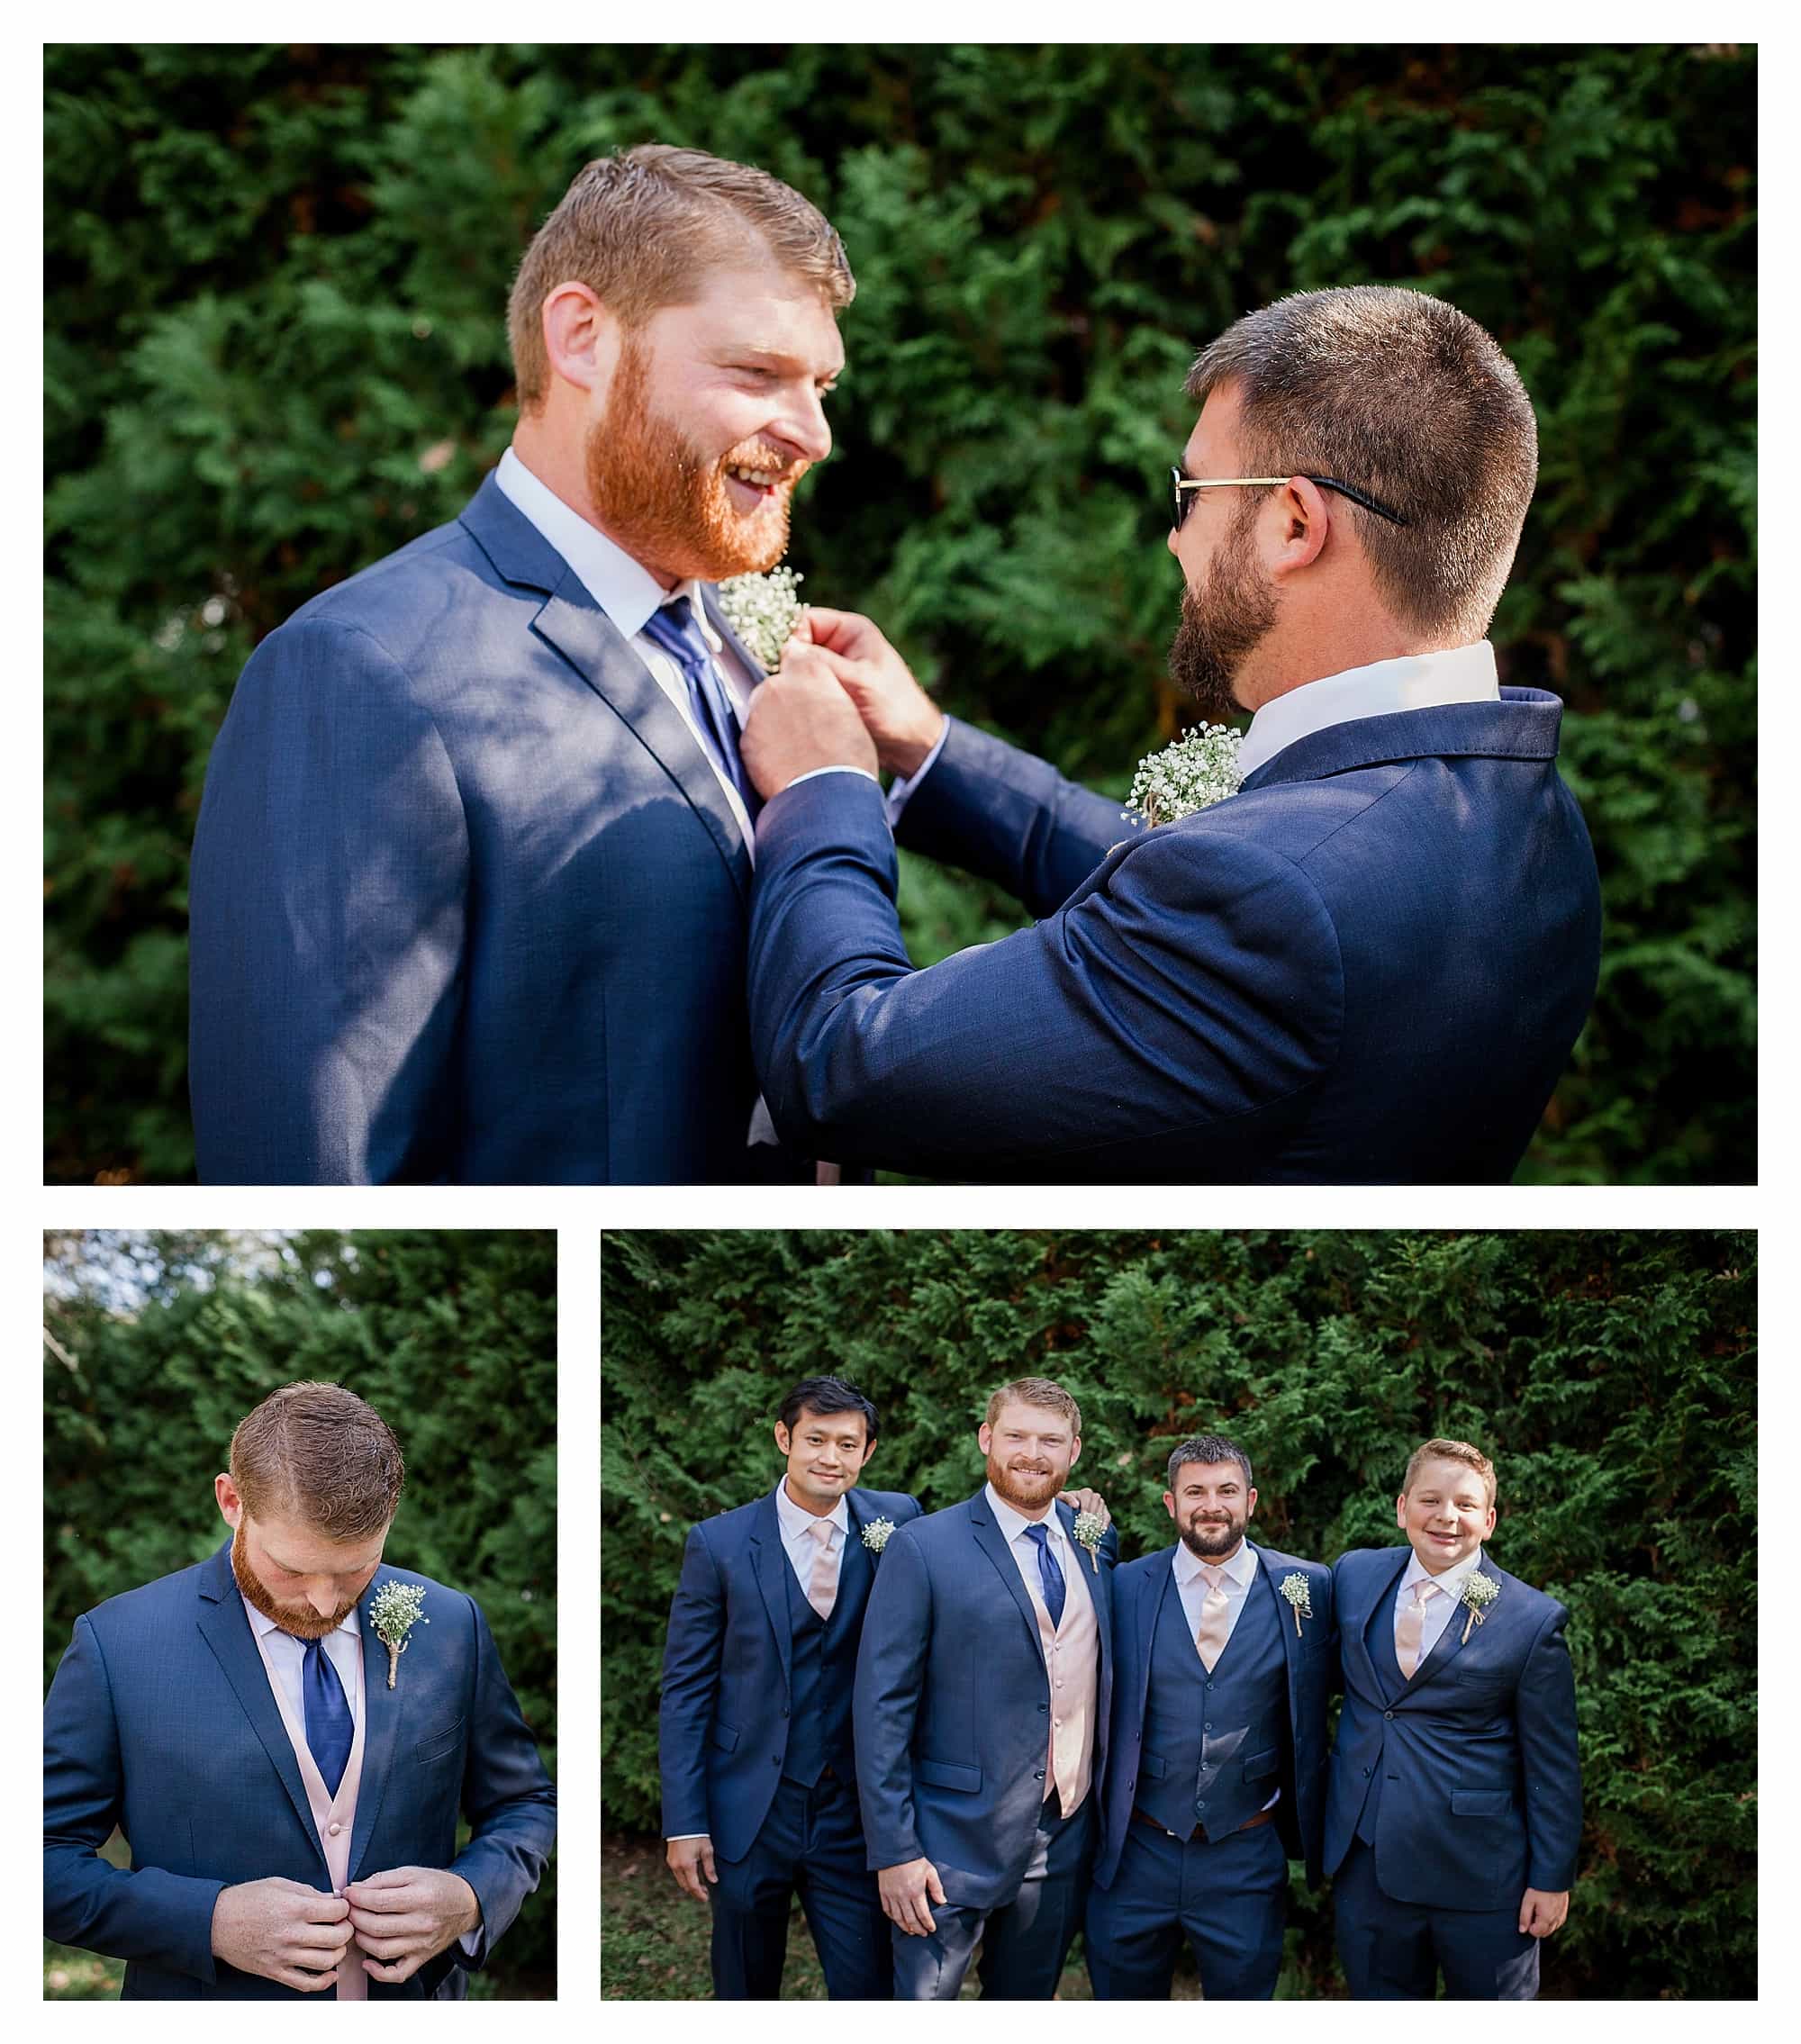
(691,1858)
(1088,1501)
(408,1915)
(904,1889)
(282,1929)
(799,720)
(1542,1913)
(900,716)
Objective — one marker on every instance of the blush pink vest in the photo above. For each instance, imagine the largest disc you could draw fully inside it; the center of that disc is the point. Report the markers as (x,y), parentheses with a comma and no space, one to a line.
(1072,1654)
(333,1817)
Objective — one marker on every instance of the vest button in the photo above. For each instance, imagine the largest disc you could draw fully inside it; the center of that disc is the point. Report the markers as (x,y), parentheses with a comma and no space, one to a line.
(332,1829)
(1200,1806)
(1208,1726)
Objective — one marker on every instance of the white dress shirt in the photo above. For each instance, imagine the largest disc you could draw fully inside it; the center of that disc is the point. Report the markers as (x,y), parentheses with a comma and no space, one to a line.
(1422,681)
(287,1654)
(797,1540)
(1016,1530)
(1439,1610)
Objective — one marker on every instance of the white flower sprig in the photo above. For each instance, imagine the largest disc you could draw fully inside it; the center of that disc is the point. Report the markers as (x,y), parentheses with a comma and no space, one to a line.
(394,1610)
(763,610)
(1293,1586)
(1479,1591)
(875,1534)
(1200,768)
(1089,1529)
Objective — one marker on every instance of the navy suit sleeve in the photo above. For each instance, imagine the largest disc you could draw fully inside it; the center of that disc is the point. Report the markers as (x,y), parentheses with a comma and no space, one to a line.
(146,1913)
(1010,818)
(692,1653)
(326,908)
(1193,985)
(1545,1704)
(507,1797)
(891,1671)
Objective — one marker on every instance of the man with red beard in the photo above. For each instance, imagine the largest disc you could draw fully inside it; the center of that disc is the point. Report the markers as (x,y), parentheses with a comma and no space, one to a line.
(290,1788)
(983,1683)
(471,878)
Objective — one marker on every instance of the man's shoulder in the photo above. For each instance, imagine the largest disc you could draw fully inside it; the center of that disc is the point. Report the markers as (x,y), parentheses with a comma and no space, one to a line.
(727,1528)
(1530,1602)
(151,1604)
(1132,1574)
(897,1505)
(1279,1564)
(938,1533)
(1363,1564)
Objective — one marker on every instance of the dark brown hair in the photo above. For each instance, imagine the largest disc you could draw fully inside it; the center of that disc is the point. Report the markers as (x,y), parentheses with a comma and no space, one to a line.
(641,228)
(317,1453)
(1403,397)
(1208,1448)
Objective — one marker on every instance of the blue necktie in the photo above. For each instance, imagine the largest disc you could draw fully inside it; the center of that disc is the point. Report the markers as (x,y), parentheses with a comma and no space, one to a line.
(328,1729)
(675,629)
(1050,1576)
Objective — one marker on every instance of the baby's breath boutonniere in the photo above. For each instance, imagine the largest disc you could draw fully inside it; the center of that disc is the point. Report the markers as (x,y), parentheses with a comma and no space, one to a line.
(875,1534)
(1293,1586)
(1089,1528)
(1479,1591)
(395,1609)
(1200,768)
(763,610)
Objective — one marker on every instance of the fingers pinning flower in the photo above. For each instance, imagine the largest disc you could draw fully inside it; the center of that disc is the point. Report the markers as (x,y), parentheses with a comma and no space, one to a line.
(1200,768)
(763,610)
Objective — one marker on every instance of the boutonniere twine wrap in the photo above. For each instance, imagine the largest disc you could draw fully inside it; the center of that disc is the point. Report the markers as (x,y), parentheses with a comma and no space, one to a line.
(875,1534)
(1201,768)
(1479,1592)
(1089,1528)
(394,1610)
(1293,1586)
(763,610)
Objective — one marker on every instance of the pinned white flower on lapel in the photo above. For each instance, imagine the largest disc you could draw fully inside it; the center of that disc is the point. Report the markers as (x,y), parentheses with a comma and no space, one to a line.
(394,1610)
(763,610)
(1479,1592)
(1293,1586)
(1089,1528)
(875,1534)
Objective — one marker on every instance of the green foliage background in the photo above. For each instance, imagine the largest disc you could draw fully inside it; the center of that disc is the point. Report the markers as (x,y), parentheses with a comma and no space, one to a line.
(1612,1376)
(450,1334)
(274,351)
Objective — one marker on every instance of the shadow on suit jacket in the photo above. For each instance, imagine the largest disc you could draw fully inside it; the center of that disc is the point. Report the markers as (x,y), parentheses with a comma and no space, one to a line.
(953,1702)
(160,1720)
(469,903)
(1367,966)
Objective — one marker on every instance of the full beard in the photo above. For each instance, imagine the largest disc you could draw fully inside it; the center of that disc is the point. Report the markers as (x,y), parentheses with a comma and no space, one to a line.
(303,1622)
(1222,627)
(665,502)
(1212,1543)
(1023,1491)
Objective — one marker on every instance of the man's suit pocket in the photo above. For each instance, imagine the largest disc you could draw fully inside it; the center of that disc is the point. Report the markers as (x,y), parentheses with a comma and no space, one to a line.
(436,1744)
(947,1774)
(1260,1765)
(724,1737)
(1482,1802)
(1153,1767)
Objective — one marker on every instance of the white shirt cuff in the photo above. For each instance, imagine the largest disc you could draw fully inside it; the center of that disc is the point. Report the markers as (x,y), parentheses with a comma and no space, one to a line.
(816,771)
(899,789)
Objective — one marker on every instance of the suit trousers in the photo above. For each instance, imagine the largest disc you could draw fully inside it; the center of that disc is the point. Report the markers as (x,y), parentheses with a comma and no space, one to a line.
(1392,1952)
(1229,1899)
(1025,1940)
(810,1843)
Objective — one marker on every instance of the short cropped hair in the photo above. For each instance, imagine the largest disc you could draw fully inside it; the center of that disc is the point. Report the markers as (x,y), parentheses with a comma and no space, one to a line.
(826,1395)
(1037,1391)
(642,228)
(1410,401)
(1450,1451)
(316,1452)
(1209,1448)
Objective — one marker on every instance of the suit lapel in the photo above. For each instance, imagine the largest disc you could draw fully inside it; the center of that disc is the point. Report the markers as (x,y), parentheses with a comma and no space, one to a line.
(993,1543)
(385,1712)
(226,1630)
(1268,1563)
(769,1560)
(1448,1645)
(716,616)
(856,1573)
(1377,1634)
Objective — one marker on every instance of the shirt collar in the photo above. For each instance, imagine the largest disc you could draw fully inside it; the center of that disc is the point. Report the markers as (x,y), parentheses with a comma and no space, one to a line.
(1013,1522)
(1242,1568)
(625,589)
(1451,1580)
(1419,680)
(263,1625)
(793,1520)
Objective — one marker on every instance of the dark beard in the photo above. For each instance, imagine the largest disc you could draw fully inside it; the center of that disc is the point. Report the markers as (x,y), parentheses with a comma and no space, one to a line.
(1222,1539)
(305,1624)
(663,501)
(1222,627)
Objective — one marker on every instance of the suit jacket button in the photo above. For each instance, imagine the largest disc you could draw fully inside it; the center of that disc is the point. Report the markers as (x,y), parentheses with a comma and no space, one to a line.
(1039,1776)
(1044,1707)
(1388,1713)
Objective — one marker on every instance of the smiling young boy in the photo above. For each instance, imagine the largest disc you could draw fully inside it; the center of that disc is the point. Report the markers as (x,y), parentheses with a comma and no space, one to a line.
(1454,1809)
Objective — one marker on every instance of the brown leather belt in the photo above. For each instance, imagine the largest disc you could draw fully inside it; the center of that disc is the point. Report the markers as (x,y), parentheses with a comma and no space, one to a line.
(1199,1831)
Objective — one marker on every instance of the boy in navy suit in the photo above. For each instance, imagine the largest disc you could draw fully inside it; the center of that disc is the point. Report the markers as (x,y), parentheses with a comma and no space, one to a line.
(1455,1808)
(759,1776)
(1216,1772)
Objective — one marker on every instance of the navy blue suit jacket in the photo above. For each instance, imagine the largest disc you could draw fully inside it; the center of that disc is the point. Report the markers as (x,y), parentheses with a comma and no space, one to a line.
(161,1722)
(1369,966)
(953,1702)
(468,905)
(1139,1588)
(727,1663)
(1482,1787)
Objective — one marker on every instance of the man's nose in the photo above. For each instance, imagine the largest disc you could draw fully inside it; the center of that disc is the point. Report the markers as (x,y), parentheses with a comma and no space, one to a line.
(803,425)
(323,1601)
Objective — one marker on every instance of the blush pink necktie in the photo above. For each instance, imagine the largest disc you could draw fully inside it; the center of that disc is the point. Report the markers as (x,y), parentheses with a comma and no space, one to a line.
(822,1585)
(1209,1639)
(1411,1628)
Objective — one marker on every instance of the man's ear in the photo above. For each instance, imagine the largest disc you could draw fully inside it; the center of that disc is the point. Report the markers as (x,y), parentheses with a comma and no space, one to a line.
(230,1505)
(1298,538)
(581,338)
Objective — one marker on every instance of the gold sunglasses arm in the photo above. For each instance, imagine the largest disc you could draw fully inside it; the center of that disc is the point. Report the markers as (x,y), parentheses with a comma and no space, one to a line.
(1227,482)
